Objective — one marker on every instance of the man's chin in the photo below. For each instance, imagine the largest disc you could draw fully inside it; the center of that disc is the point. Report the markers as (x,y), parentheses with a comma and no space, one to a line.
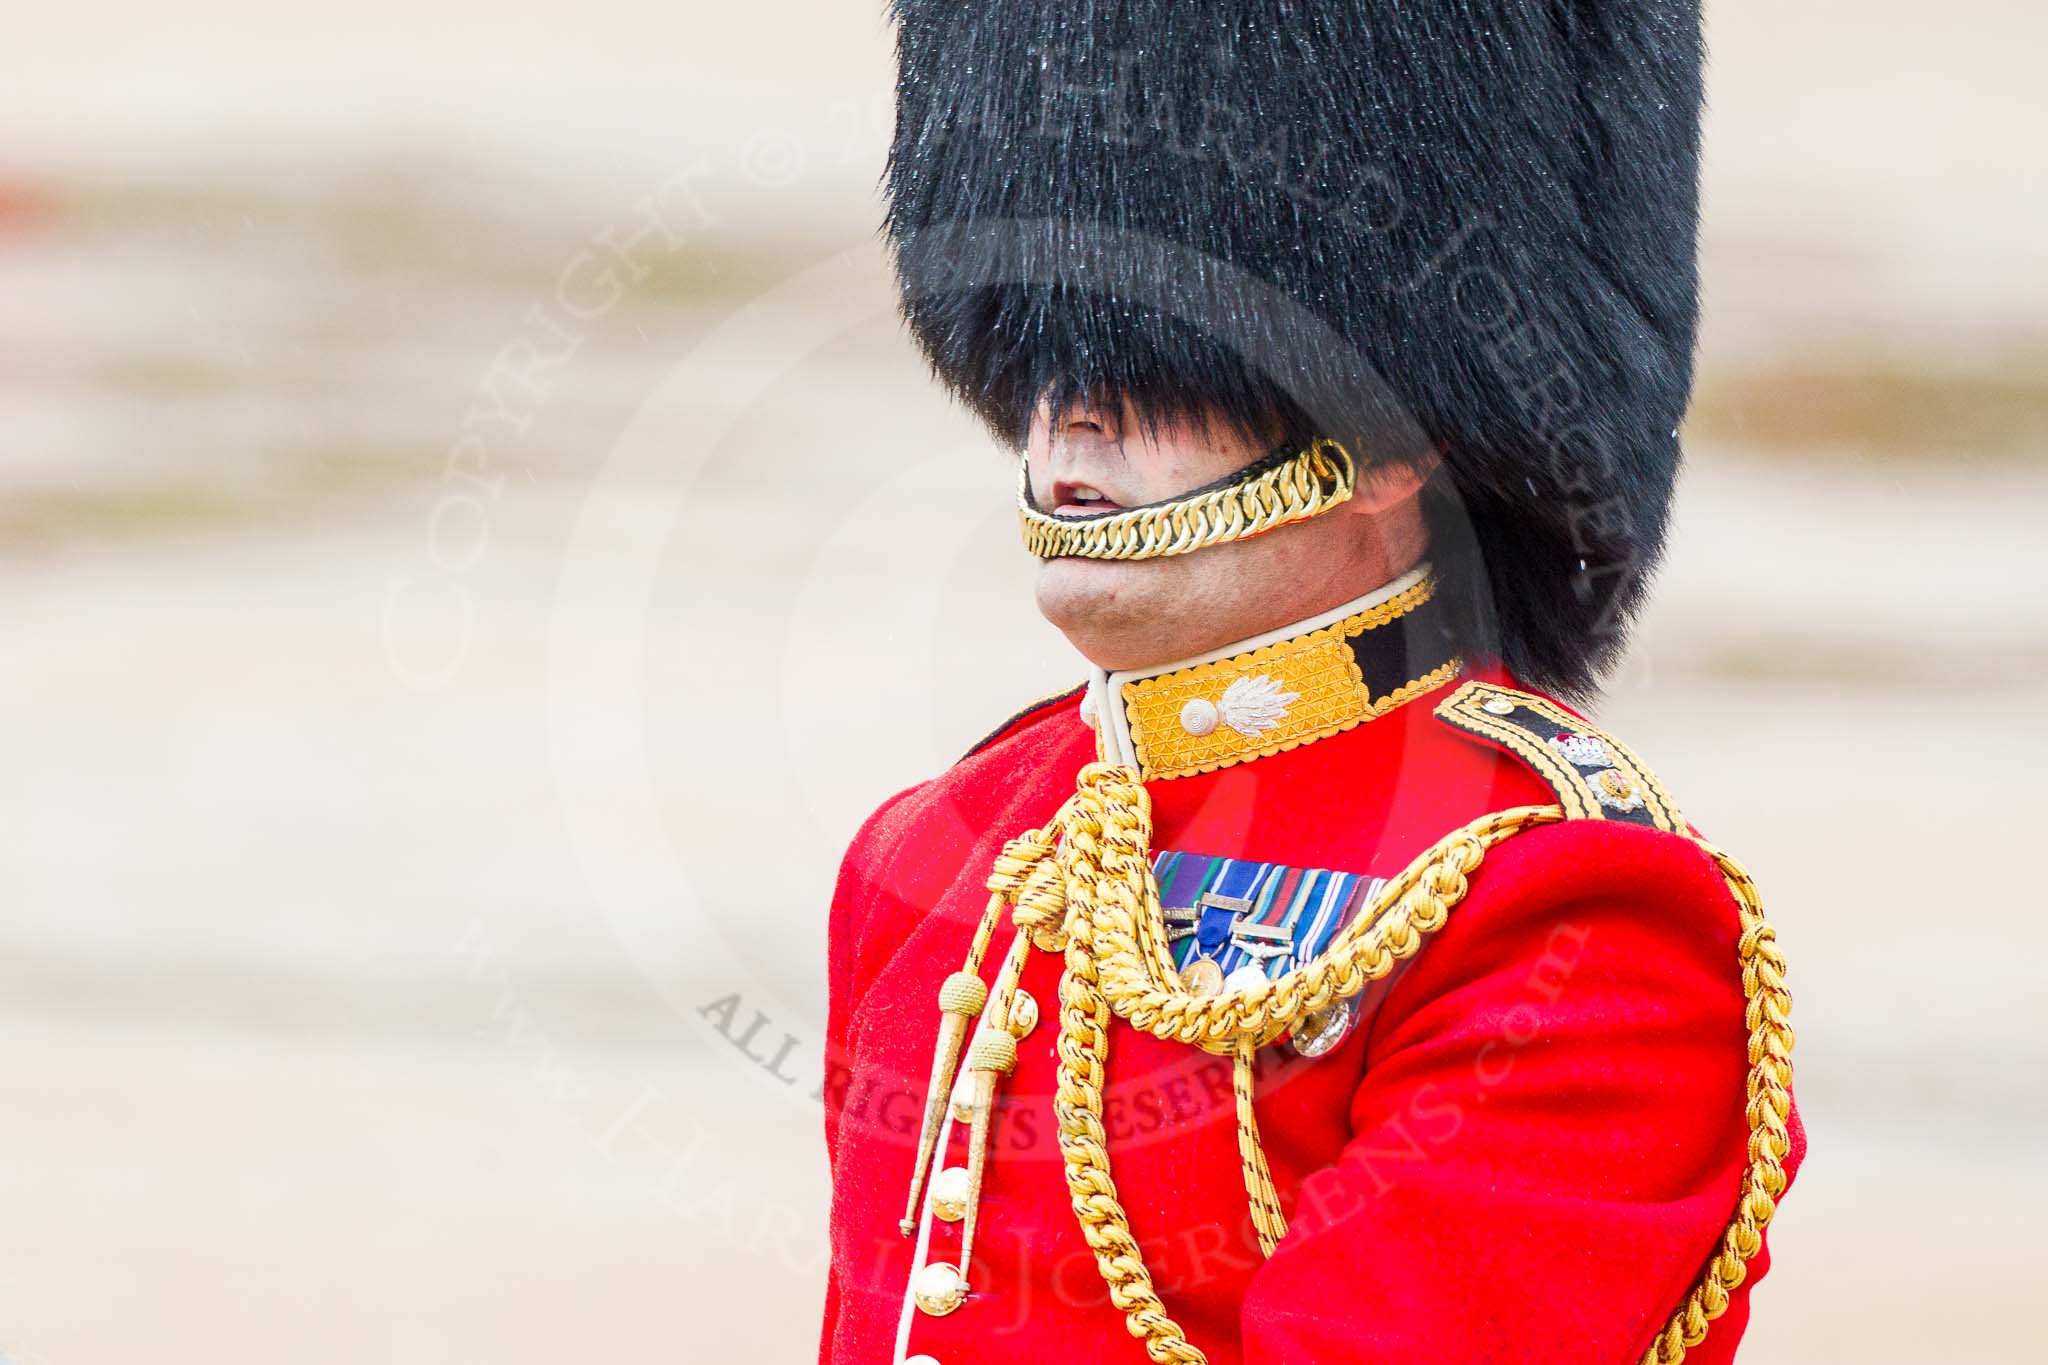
(1104,607)
(1071,587)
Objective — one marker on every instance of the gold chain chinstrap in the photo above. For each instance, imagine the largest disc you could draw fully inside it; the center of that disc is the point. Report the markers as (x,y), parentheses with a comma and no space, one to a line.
(1082,885)
(1306,485)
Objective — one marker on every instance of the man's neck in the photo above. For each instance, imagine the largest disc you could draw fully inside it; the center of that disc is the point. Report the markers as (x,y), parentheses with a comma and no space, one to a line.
(1297,624)
(1338,593)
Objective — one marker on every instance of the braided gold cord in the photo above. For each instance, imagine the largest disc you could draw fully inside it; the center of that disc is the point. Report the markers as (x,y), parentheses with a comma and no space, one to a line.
(1267,1219)
(1096,898)
(1084,1146)
(1306,485)
(1768,1015)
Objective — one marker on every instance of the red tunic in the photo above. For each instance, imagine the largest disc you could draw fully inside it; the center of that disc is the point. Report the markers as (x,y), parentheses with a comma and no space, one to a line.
(1525,1152)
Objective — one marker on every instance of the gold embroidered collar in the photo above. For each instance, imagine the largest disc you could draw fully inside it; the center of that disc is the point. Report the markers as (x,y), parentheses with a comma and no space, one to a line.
(1276,691)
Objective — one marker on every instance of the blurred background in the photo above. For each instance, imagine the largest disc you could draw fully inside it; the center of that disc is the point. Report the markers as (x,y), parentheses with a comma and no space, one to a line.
(457,597)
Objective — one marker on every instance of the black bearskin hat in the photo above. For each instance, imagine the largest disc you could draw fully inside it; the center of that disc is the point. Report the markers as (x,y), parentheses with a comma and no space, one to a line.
(1460,226)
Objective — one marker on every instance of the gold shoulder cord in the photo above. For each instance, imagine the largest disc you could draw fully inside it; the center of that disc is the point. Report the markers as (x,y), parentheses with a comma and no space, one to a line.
(1083,885)
(1305,485)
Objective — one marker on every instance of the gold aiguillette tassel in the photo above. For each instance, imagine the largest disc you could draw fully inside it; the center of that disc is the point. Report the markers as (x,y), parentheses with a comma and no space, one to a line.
(961,997)
(993,1055)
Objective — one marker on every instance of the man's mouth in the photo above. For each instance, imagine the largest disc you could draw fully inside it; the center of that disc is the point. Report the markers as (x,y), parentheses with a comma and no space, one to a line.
(1074,499)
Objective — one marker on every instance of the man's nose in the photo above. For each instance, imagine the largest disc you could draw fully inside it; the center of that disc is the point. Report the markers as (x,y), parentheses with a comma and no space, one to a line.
(1083,420)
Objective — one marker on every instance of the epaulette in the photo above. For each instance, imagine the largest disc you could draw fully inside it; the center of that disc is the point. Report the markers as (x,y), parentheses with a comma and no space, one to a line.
(1594,775)
(1020,717)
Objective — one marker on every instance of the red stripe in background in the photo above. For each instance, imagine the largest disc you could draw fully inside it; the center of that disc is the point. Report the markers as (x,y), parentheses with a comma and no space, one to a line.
(24,207)
(26,210)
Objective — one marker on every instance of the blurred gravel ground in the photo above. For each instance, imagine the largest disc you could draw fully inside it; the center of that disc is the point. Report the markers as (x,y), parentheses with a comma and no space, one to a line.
(351,985)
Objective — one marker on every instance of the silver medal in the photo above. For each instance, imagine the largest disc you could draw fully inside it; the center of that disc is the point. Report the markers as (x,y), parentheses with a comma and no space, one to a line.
(1322,1031)
(1244,978)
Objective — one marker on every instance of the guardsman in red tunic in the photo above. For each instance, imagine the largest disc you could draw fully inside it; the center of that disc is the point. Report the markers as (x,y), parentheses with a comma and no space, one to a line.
(1315,983)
